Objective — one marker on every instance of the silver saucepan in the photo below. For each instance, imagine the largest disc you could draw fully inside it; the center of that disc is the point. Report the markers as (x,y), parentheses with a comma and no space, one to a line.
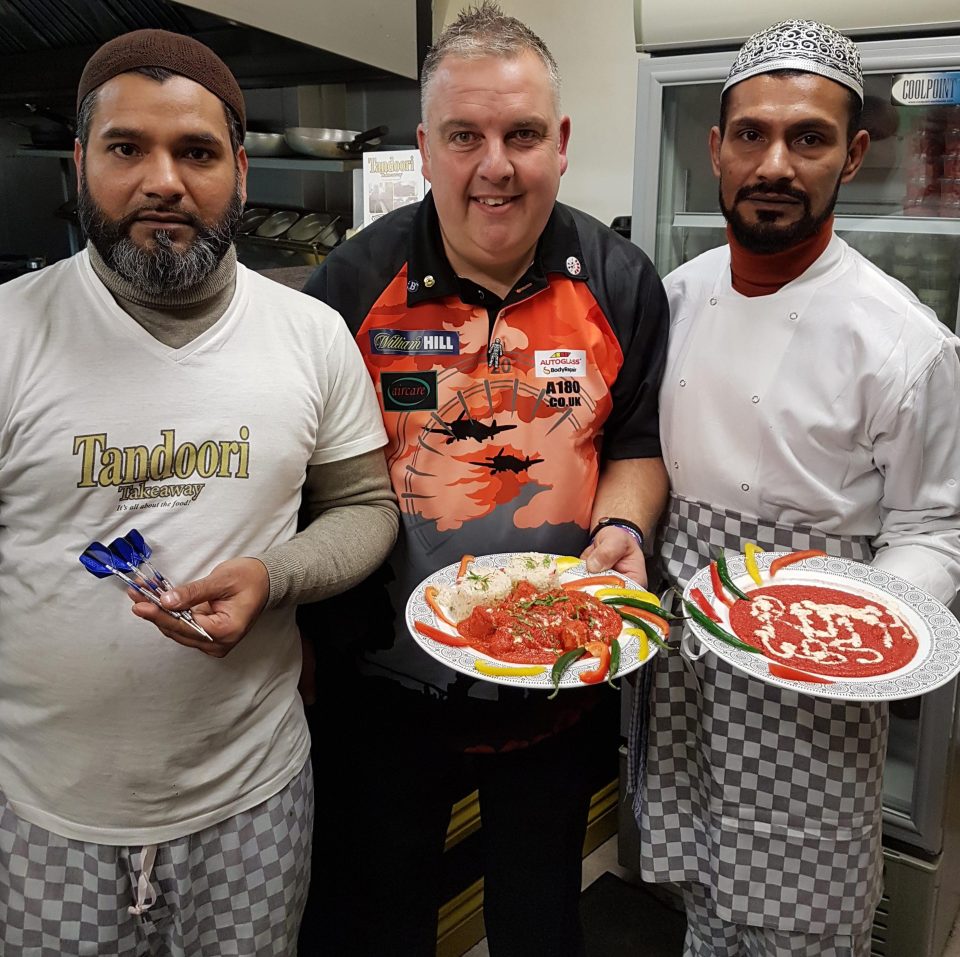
(265,144)
(332,144)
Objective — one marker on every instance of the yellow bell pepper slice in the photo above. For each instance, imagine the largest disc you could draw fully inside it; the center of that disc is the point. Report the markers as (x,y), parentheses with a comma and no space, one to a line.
(507,671)
(643,651)
(750,551)
(638,593)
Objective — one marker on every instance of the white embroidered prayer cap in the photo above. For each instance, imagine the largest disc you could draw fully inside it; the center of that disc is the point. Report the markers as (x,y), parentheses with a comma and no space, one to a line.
(806,45)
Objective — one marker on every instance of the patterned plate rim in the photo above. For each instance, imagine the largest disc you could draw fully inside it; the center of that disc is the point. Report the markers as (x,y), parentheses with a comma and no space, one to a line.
(937,660)
(462,659)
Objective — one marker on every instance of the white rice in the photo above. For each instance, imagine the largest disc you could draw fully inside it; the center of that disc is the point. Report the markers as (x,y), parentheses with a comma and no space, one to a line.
(540,570)
(480,586)
(487,586)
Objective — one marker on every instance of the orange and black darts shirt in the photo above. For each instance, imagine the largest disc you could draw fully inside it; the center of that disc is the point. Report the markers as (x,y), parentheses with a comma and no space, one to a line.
(499,412)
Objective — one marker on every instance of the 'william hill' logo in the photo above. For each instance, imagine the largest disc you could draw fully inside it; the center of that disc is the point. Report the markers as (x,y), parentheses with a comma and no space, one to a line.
(409,391)
(130,467)
(414,342)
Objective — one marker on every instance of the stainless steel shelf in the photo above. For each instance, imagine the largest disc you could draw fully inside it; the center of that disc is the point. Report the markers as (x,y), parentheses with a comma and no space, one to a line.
(278,243)
(930,225)
(301,164)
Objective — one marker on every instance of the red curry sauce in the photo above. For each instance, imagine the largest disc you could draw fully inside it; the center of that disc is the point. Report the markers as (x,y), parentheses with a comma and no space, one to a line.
(824,630)
(535,627)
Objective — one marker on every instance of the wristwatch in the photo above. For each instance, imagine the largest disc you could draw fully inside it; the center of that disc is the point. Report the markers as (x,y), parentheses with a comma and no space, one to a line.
(624,523)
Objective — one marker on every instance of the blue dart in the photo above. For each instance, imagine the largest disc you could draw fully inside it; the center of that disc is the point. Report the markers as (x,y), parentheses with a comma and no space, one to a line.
(98,560)
(101,562)
(128,560)
(135,549)
(143,551)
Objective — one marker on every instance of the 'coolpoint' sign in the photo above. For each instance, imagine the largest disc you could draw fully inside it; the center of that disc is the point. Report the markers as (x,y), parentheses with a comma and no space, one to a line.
(926,89)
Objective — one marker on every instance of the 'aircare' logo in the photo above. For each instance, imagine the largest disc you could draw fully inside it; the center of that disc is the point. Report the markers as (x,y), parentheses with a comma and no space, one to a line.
(409,391)
(562,362)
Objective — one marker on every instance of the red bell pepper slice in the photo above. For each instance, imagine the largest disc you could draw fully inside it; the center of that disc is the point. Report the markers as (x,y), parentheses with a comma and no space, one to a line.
(784,560)
(655,620)
(464,563)
(602,650)
(430,594)
(704,605)
(793,674)
(594,580)
(428,631)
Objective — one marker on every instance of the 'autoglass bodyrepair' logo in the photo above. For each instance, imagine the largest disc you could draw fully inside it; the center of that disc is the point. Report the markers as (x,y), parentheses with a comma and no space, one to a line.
(409,391)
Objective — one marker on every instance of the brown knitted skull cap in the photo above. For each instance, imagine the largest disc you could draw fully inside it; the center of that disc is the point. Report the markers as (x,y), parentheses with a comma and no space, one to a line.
(172,51)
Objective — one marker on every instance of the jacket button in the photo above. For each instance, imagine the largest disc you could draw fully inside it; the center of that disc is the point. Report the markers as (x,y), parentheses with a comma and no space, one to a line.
(713,300)
(745,487)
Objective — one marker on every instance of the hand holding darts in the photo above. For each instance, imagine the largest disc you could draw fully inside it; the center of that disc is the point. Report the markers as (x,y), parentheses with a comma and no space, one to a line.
(124,559)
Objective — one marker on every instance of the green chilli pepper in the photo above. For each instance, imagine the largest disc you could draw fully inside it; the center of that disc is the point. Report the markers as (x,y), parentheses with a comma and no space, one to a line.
(561,665)
(648,630)
(727,580)
(643,606)
(708,624)
(614,662)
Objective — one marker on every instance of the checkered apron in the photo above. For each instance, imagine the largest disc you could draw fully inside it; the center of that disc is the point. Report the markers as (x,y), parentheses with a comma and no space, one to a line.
(236,888)
(770,798)
(708,936)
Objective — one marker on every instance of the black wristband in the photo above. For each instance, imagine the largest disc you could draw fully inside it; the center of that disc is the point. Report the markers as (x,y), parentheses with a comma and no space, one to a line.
(623,523)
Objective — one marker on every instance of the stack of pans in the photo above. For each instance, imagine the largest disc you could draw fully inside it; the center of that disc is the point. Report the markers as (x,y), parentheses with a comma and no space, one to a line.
(290,228)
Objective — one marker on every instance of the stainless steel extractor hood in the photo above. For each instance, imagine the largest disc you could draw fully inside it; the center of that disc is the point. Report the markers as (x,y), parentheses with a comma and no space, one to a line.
(45,43)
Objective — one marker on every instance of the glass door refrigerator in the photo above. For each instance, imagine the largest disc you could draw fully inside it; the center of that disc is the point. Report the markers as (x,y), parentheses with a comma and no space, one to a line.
(902,212)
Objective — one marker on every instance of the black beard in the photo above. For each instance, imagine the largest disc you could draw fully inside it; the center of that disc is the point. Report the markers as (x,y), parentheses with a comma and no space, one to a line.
(768,236)
(160,268)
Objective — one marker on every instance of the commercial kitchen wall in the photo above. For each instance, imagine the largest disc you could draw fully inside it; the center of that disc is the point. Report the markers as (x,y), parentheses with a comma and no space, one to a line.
(594,46)
(30,192)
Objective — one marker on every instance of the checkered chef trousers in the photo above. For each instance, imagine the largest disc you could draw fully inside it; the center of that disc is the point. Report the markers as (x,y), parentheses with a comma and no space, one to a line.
(235,888)
(770,798)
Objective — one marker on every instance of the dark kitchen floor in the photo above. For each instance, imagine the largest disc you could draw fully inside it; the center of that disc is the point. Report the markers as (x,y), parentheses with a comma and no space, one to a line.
(620,919)
(616,933)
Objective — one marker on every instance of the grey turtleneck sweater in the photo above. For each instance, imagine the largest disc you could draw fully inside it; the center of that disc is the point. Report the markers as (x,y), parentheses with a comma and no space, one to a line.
(349,507)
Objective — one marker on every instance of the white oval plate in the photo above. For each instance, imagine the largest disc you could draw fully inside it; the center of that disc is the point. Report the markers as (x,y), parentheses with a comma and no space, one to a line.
(936,661)
(463,659)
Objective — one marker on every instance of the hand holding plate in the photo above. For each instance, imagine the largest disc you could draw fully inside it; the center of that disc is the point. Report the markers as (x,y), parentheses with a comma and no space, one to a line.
(616,548)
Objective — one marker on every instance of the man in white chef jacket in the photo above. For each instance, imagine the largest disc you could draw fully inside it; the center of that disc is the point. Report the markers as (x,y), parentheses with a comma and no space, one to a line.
(809,401)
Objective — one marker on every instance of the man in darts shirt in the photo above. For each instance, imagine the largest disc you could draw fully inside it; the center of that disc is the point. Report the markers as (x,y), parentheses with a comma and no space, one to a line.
(516,346)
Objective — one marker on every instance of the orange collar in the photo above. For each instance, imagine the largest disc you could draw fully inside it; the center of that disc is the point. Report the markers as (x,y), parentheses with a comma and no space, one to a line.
(760,274)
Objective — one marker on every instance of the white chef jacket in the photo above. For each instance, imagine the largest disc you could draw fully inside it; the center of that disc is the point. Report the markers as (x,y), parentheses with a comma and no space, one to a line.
(833,402)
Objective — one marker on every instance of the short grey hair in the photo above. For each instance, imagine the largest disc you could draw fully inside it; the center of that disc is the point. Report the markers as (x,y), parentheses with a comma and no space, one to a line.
(485,30)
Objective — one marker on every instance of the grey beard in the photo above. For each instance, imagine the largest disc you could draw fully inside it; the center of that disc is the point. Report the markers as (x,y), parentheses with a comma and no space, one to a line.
(162,268)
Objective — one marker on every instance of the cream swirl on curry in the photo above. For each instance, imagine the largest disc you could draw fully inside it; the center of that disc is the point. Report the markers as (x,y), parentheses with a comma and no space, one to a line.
(824,630)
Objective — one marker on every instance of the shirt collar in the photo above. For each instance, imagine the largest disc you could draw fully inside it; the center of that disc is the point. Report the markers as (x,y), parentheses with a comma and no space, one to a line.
(756,274)
(430,275)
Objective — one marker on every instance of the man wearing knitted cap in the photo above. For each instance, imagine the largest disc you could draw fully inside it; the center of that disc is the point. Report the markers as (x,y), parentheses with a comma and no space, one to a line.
(809,401)
(155,795)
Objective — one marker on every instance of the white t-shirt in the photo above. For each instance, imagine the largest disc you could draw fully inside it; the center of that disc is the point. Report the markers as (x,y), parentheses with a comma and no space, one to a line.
(110,732)
(833,403)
